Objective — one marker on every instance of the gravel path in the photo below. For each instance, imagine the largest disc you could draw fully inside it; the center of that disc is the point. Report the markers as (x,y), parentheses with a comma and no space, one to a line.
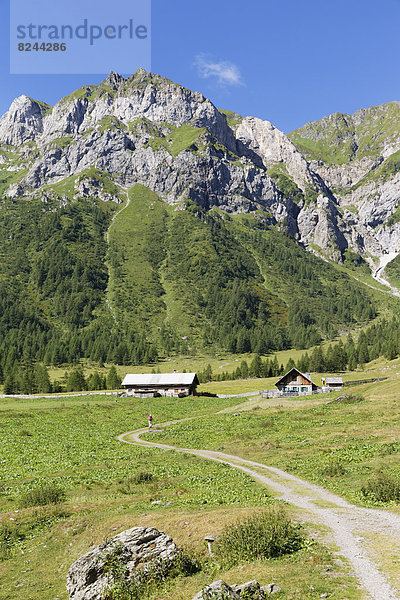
(346,521)
(378,274)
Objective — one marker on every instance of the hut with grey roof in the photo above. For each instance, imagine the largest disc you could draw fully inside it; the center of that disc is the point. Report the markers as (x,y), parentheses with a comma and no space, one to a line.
(146,385)
(332,383)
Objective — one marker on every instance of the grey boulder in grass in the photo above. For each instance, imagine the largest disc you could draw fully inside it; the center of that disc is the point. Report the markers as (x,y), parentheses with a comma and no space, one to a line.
(87,577)
(219,590)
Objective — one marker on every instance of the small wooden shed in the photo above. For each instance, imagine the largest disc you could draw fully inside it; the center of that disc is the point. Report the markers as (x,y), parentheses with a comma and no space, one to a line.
(333,383)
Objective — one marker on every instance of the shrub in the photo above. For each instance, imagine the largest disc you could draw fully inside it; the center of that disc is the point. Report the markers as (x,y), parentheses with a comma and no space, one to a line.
(382,487)
(264,535)
(333,469)
(129,483)
(48,494)
(144,582)
(389,448)
(143,477)
(9,535)
(354,399)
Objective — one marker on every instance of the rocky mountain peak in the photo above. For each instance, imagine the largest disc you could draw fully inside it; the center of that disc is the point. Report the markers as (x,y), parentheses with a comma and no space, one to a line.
(23,121)
(334,183)
(113,80)
(144,95)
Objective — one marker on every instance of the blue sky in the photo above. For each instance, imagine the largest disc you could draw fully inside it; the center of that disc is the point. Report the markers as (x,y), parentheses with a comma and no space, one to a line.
(286,61)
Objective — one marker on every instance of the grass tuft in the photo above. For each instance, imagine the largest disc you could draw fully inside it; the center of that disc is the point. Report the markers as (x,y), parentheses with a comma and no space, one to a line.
(9,536)
(48,494)
(333,469)
(382,487)
(268,534)
(146,582)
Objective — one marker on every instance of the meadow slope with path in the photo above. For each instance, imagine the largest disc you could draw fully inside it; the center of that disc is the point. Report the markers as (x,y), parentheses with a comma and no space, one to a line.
(378,273)
(115,215)
(352,528)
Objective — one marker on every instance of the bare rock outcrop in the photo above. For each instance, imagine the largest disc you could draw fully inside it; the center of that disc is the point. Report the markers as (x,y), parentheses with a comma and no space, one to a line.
(321,224)
(137,547)
(22,122)
(251,590)
(273,146)
(333,184)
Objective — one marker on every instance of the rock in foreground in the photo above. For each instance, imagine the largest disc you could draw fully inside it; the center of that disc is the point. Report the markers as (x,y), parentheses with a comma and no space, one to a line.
(219,590)
(137,547)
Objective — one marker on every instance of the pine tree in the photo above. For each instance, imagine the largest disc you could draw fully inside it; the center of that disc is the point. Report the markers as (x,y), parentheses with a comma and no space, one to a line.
(42,380)
(113,379)
(256,366)
(27,380)
(391,350)
(352,361)
(208,373)
(9,384)
(317,360)
(276,369)
(330,359)
(304,363)
(290,365)
(266,369)
(362,349)
(97,381)
(244,369)
(76,380)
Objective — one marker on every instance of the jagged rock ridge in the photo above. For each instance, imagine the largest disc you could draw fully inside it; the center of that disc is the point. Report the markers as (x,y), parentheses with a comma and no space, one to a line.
(333,184)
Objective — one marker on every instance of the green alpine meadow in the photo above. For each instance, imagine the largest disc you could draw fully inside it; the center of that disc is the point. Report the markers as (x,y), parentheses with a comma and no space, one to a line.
(199,348)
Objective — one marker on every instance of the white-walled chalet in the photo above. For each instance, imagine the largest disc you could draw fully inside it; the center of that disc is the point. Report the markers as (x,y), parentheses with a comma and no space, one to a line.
(166,384)
(295,382)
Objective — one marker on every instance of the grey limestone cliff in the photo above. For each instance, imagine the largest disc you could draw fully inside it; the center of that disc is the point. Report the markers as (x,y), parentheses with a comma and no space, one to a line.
(333,184)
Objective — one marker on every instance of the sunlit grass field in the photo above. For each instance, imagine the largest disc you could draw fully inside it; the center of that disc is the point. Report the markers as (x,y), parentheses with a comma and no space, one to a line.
(72,442)
(337,444)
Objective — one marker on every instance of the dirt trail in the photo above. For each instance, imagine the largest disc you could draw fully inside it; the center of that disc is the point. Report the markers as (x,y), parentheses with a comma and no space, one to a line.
(115,215)
(378,274)
(346,521)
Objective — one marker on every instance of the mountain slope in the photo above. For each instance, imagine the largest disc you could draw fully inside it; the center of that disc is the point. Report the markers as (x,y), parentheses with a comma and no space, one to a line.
(358,158)
(136,218)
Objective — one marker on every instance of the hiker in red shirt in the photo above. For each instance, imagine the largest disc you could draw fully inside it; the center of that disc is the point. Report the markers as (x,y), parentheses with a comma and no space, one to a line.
(150,421)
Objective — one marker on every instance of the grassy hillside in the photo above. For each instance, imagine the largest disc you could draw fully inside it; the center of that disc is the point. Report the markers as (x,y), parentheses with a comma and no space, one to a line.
(392,272)
(341,138)
(341,445)
(136,252)
(199,279)
(171,279)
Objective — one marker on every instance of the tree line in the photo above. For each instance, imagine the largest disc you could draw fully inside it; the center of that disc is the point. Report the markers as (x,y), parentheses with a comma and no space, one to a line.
(34,379)
(378,340)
